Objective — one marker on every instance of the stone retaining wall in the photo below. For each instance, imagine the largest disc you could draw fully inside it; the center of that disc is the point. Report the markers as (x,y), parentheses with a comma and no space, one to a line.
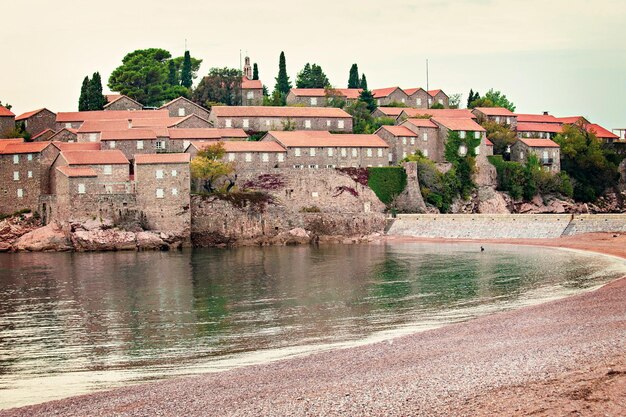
(590,223)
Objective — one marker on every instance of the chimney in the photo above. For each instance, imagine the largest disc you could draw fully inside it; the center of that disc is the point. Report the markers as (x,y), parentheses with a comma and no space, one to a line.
(545,113)
(130,123)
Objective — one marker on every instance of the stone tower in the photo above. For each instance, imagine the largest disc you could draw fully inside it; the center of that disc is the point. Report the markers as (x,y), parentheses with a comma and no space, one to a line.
(247,69)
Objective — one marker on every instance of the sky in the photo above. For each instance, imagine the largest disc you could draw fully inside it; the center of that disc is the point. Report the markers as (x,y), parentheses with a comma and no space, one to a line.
(567,57)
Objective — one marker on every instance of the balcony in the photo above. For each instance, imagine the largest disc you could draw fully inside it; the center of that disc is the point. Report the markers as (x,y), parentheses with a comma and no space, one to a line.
(547,161)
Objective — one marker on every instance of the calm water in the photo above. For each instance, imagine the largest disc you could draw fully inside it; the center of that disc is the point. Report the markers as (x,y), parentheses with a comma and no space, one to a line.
(74,323)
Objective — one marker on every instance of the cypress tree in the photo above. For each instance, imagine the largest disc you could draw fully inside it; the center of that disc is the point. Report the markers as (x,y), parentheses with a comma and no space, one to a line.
(96,100)
(172,77)
(185,76)
(83,100)
(470,98)
(283,85)
(367,97)
(353,80)
(363,83)
(255,72)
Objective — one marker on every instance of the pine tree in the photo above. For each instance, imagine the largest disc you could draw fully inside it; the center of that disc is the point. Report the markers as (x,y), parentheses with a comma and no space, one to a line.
(255,72)
(363,84)
(367,97)
(83,100)
(185,76)
(172,77)
(353,80)
(95,99)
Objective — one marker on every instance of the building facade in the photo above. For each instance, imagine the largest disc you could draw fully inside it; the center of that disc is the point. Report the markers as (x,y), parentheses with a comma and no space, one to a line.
(36,121)
(547,152)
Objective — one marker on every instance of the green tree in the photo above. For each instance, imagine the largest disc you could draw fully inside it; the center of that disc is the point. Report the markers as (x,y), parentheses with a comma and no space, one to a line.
(221,85)
(491,99)
(454,101)
(353,79)
(172,77)
(500,135)
(208,168)
(6,106)
(461,152)
(283,85)
(471,97)
(363,84)
(312,76)
(334,98)
(432,106)
(83,100)
(96,100)
(367,97)
(186,75)
(255,72)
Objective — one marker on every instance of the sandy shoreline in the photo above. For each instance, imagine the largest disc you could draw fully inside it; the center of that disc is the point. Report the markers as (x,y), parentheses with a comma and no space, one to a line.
(566,357)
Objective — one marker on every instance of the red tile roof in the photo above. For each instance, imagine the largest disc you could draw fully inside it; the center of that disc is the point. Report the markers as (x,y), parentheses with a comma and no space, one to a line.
(539,127)
(269,111)
(459,124)
(5,142)
(384,92)
(112,98)
(24,147)
(349,93)
(570,120)
(495,111)
(247,83)
(433,93)
(75,172)
(206,133)
(421,123)
(539,143)
(488,142)
(400,130)
(245,146)
(536,118)
(128,134)
(111,157)
(600,132)
(391,111)
(93,126)
(300,138)
(448,113)
(157,122)
(4,112)
(162,158)
(186,100)
(81,116)
(411,91)
(77,146)
(28,114)
(41,133)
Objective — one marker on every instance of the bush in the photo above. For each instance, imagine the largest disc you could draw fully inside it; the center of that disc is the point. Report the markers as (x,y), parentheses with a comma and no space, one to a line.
(311,209)
(387,182)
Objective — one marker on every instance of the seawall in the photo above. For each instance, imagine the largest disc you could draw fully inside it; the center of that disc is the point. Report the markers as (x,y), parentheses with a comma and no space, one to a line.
(504,226)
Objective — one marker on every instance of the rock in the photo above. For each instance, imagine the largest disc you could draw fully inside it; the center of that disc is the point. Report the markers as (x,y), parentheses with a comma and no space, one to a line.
(299,232)
(5,247)
(487,175)
(537,201)
(411,200)
(47,238)
(493,204)
(103,240)
(150,241)
(97,224)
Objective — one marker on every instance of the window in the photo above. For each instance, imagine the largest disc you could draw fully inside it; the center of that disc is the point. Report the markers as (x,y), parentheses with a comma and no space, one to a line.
(174,173)
(174,191)
(330,151)
(390,156)
(340,124)
(160,144)
(186,144)
(440,101)
(354,152)
(369,152)
(312,152)
(30,174)
(425,152)
(108,189)
(425,136)
(29,157)
(140,144)
(343,152)
(403,154)
(462,134)
(380,152)
(477,150)
(430,101)
(108,170)
(477,135)
(404,141)
(497,119)
(267,122)
(246,123)
(418,101)
(521,155)
(307,124)
(296,151)
(378,102)
(228,123)
(231,156)
(181,111)
(250,95)
(68,125)
(265,157)
(81,188)
(281,157)
(112,144)
(508,120)
(16,176)
(315,194)
(313,101)
(248,157)
(93,137)
(16,159)
(159,174)
(462,150)
(327,123)
(159,193)
(20,193)
(412,141)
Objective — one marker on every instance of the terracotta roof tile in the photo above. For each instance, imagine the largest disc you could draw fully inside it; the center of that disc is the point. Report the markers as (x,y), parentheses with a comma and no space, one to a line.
(81,116)
(391,111)
(93,126)
(4,112)
(301,138)
(570,120)
(539,127)
(488,142)
(495,111)
(269,111)
(433,93)
(411,91)
(384,92)
(75,172)
(111,157)
(540,143)
(400,130)
(536,118)
(252,146)
(24,147)
(161,158)
(128,134)
(447,113)
(248,84)
(421,123)
(459,124)
(29,114)
(349,93)
(77,146)
(5,142)
(206,133)
(600,132)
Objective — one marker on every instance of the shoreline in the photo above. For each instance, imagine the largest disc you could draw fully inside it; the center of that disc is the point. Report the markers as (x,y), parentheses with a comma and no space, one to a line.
(364,379)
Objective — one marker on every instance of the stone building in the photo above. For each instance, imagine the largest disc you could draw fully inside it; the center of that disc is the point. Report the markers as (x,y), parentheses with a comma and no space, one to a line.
(547,151)
(65,135)
(181,107)
(179,139)
(417,98)
(448,113)
(439,97)
(36,121)
(266,118)
(77,146)
(537,118)
(192,121)
(391,95)
(309,149)
(248,155)
(538,130)
(463,127)
(389,112)
(121,102)
(251,91)
(499,115)
(74,120)
(91,130)
(318,97)
(43,136)
(7,121)
(132,142)
(24,173)
(424,138)
(163,185)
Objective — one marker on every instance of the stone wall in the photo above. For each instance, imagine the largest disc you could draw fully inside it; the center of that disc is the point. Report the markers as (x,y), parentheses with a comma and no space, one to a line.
(39,122)
(7,124)
(590,223)
(265,124)
(182,107)
(123,103)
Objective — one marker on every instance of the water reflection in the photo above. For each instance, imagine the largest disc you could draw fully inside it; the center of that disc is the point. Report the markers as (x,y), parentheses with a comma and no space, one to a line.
(97,320)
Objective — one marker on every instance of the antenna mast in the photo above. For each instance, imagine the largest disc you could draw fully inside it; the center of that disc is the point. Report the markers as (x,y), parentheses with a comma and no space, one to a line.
(427,87)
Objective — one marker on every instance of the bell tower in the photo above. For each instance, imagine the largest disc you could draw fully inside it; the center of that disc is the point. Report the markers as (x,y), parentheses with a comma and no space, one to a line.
(247,69)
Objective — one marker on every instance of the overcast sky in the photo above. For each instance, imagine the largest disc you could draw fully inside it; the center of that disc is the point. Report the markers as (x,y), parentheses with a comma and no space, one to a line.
(564,56)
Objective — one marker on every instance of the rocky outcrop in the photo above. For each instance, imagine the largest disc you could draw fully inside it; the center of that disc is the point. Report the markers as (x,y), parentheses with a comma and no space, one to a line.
(103,240)
(411,200)
(52,237)
(14,227)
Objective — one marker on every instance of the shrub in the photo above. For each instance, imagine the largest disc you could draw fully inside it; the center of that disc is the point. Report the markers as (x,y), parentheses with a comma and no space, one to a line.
(311,209)
(358,175)
(387,182)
